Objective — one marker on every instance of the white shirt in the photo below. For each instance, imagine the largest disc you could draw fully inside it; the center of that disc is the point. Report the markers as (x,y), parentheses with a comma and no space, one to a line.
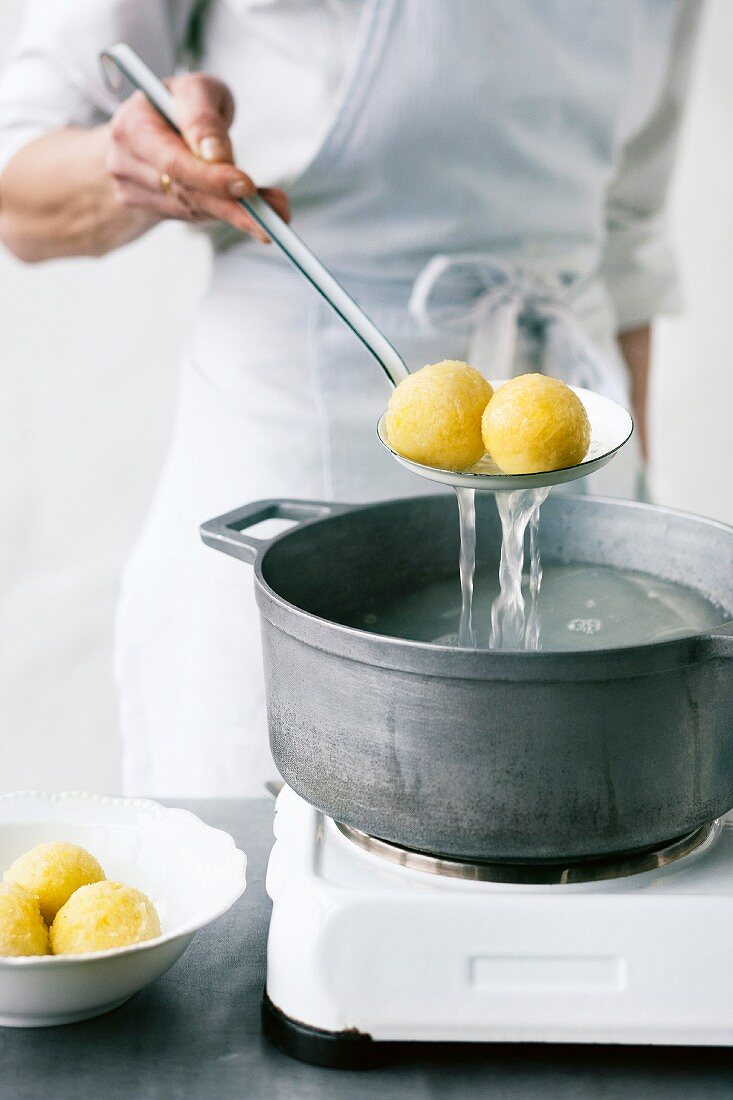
(286,62)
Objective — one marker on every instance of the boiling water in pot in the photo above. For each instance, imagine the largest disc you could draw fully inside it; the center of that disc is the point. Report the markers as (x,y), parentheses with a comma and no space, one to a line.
(582,606)
(563,606)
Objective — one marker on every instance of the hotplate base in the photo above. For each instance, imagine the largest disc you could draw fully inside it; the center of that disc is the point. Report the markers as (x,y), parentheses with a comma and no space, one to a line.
(362,952)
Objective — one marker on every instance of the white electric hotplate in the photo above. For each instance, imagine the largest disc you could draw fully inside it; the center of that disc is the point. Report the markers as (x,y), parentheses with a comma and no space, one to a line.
(364,951)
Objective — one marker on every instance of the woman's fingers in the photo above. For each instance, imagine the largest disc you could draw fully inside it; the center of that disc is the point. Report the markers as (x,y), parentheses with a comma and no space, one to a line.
(130,193)
(190,206)
(139,131)
(228,211)
(278,200)
(205,113)
(124,165)
(193,179)
(137,183)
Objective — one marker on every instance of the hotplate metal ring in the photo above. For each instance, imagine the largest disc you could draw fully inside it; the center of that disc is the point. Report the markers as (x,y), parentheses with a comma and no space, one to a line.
(535,874)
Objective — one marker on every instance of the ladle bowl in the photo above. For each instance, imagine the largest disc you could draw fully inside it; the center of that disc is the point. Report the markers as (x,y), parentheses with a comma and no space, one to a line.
(611,427)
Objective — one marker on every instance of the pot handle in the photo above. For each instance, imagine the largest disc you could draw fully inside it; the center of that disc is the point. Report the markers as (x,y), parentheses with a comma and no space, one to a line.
(227,532)
(717,643)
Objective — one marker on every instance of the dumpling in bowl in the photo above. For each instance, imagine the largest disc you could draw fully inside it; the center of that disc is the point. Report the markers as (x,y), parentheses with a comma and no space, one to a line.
(52,872)
(22,930)
(102,916)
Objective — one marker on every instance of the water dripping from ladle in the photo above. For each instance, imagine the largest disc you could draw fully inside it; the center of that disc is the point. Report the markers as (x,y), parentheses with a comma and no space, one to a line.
(510,627)
(467,562)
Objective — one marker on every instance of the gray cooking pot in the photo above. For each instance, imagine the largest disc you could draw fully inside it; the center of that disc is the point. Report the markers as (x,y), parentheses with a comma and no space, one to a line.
(509,756)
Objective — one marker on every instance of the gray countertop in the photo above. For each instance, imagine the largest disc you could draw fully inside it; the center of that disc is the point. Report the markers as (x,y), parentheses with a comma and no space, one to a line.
(195,1034)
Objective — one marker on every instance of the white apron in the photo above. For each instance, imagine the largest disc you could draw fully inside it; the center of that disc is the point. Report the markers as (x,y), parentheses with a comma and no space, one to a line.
(278,399)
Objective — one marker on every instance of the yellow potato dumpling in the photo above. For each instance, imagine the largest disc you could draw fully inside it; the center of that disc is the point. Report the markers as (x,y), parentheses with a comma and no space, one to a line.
(434,416)
(534,423)
(22,931)
(102,916)
(52,872)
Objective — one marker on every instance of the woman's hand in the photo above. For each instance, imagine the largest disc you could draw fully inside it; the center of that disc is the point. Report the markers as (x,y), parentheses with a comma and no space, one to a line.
(190,178)
(86,192)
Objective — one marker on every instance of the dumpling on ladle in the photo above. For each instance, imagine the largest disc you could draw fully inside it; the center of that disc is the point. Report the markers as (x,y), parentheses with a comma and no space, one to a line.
(533,424)
(434,416)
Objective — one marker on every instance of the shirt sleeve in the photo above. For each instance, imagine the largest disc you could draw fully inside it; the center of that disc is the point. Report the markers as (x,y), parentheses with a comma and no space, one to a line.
(638,262)
(53,79)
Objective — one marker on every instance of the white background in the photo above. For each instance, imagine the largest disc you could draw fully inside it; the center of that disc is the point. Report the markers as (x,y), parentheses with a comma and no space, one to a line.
(88,354)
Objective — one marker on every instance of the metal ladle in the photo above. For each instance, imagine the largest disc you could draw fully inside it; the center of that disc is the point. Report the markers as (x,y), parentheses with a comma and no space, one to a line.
(611,425)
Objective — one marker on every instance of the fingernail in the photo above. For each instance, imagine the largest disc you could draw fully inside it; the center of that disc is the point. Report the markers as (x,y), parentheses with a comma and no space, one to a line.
(238,189)
(213,148)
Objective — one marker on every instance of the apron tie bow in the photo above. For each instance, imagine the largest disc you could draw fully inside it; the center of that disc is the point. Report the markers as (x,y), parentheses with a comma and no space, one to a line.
(503,299)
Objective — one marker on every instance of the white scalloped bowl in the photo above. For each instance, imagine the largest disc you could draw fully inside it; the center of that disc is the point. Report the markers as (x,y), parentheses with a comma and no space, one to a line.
(192,873)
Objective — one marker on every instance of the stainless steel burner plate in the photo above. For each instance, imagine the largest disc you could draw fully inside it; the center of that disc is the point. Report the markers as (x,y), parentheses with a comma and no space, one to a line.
(629,863)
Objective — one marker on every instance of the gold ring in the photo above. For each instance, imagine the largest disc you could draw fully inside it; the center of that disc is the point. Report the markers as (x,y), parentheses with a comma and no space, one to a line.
(165,183)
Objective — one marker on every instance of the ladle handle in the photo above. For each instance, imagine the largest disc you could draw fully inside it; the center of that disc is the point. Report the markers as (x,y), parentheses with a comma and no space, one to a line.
(124,59)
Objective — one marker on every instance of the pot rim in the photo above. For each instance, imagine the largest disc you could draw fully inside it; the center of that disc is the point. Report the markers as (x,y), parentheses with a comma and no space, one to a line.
(456,662)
